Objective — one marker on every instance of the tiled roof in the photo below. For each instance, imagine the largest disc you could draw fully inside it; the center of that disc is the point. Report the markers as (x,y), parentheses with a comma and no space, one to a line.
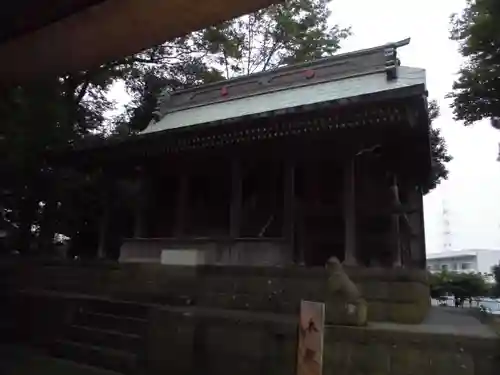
(339,77)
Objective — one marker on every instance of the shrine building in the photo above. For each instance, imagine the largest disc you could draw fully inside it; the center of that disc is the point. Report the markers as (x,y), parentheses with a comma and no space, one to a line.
(290,166)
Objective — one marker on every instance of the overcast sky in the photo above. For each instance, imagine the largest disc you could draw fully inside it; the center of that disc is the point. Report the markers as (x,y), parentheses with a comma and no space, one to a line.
(472,193)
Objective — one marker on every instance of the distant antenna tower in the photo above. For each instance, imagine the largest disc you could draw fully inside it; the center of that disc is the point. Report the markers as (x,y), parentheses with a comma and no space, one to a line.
(446,224)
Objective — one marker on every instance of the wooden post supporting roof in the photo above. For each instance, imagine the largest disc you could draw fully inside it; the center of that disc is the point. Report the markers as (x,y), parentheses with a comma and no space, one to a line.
(289,205)
(41,37)
(416,219)
(182,205)
(104,222)
(140,226)
(236,199)
(106,197)
(396,230)
(350,214)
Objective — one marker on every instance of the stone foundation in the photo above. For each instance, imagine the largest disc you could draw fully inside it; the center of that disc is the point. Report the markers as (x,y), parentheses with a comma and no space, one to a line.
(251,252)
(393,295)
(193,340)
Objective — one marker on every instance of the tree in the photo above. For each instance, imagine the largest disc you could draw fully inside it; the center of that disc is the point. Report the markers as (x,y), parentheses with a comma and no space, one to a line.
(173,65)
(35,118)
(291,32)
(439,151)
(476,92)
(496,274)
(460,285)
(30,117)
(438,283)
(468,285)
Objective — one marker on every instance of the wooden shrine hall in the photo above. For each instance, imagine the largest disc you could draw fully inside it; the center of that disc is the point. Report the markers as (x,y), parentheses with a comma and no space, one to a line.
(289,166)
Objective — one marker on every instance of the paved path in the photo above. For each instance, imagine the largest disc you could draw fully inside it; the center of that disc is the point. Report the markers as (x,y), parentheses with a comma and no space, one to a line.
(445,320)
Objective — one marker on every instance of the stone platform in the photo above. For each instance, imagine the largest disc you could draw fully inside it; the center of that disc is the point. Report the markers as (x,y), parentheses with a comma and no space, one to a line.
(393,295)
(182,340)
(444,320)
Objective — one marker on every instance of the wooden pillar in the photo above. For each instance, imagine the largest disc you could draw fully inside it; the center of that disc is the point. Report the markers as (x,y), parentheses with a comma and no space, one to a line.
(396,230)
(103,229)
(350,214)
(289,209)
(416,221)
(421,234)
(140,207)
(181,209)
(105,219)
(236,199)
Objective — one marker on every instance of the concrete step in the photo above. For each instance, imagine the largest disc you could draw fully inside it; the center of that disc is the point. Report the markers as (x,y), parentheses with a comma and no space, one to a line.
(117,308)
(97,356)
(21,360)
(104,338)
(110,322)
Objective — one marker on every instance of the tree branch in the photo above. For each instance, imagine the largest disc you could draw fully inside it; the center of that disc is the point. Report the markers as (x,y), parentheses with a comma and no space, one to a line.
(272,51)
(227,65)
(82,92)
(250,42)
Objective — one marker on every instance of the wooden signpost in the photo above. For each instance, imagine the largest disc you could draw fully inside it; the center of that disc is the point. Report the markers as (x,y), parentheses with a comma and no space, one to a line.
(311,335)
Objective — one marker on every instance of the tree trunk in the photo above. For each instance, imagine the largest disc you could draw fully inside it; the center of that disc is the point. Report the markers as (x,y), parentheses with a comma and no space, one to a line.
(47,227)
(28,211)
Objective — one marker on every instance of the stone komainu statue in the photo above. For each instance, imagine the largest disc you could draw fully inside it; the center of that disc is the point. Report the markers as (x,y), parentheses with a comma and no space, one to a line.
(344,303)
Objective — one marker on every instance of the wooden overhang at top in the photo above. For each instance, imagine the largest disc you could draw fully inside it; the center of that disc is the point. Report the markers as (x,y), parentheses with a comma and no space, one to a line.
(41,37)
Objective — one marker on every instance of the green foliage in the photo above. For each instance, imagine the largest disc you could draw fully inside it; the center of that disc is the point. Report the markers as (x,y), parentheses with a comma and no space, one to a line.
(461,285)
(439,151)
(476,92)
(292,32)
(34,119)
(496,274)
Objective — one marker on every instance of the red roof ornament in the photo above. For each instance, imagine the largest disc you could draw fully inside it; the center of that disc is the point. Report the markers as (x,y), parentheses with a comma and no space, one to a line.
(309,73)
(224,91)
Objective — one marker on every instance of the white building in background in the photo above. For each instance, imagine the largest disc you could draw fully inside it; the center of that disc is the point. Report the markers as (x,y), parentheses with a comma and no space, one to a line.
(463,261)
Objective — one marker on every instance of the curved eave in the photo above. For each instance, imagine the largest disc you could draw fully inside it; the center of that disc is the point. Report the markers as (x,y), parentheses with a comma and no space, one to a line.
(110,30)
(374,113)
(346,89)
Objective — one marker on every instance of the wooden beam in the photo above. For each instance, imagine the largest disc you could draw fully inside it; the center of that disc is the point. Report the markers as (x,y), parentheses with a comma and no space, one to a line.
(108,31)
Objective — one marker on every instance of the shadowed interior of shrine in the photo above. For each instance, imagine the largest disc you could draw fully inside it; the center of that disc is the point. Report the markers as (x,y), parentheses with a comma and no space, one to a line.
(293,196)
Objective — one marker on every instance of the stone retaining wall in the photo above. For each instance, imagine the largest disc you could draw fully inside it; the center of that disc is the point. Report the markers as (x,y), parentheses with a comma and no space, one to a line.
(393,295)
(194,340)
